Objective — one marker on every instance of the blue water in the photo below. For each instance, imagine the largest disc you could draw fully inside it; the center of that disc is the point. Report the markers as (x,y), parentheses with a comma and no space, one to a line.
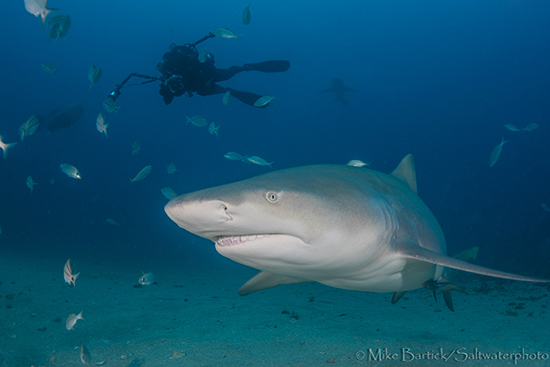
(438,79)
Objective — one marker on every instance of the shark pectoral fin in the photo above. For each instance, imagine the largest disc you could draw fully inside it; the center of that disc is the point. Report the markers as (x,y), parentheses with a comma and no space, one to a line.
(266,280)
(328,90)
(467,255)
(397,296)
(350,90)
(414,251)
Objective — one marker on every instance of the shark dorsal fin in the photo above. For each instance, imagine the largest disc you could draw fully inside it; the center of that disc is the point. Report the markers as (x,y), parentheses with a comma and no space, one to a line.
(406,172)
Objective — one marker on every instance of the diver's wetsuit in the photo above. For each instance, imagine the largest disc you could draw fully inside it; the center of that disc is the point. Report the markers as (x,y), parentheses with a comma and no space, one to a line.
(184,73)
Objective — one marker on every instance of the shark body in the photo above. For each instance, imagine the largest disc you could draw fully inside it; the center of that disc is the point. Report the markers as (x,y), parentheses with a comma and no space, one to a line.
(339,89)
(345,227)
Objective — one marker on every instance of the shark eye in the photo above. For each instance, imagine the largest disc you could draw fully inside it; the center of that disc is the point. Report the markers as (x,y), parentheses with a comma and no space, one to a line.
(271,196)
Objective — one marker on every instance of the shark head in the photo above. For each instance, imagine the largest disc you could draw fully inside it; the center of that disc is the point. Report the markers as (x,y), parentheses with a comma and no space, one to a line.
(286,222)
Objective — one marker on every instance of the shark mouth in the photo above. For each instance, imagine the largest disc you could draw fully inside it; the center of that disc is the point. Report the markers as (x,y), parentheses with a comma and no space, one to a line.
(236,240)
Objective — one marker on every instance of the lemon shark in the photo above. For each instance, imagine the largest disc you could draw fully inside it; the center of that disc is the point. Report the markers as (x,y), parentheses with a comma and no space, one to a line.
(339,89)
(345,227)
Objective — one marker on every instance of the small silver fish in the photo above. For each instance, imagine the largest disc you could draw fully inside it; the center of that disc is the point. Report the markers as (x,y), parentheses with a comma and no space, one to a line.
(68,274)
(72,319)
(29,127)
(171,168)
(264,101)
(225,33)
(495,154)
(31,183)
(257,160)
(101,125)
(197,120)
(94,74)
(60,25)
(530,127)
(70,171)
(136,147)
(168,193)
(245,18)
(38,8)
(142,174)
(5,147)
(112,222)
(213,129)
(512,127)
(110,106)
(226,97)
(358,163)
(85,356)
(203,56)
(147,279)
(234,156)
(48,67)
(545,207)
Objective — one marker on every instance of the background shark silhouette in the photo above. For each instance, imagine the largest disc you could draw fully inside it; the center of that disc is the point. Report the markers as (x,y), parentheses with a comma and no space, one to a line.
(60,118)
(339,89)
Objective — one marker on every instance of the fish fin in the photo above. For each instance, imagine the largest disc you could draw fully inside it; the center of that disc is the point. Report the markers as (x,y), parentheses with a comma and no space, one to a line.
(7,147)
(467,255)
(446,287)
(414,251)
(266,280)
(448,300)
(350,89)
(397,296)
(45,14)
(328,90)
(406,172)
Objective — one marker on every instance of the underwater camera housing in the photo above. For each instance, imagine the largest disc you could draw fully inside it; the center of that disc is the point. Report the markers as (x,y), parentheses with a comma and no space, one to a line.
(176,85)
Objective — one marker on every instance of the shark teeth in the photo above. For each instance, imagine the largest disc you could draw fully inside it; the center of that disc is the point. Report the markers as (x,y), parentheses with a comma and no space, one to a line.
(235,240)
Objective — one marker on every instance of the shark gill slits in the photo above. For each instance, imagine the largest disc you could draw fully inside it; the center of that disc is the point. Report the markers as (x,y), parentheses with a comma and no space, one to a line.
(272,196)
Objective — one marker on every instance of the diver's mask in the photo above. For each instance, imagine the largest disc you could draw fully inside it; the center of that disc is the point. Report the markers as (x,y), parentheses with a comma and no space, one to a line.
(175,84)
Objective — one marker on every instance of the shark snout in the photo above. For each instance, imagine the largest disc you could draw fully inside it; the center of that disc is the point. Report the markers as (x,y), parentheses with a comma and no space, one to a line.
(201,217)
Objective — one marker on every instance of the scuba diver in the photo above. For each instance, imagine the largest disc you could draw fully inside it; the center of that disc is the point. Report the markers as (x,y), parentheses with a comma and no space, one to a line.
(185,71)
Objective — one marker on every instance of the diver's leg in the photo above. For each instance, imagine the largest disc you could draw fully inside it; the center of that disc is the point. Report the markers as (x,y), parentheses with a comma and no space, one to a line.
(272,66)
(246,97)
(223,74)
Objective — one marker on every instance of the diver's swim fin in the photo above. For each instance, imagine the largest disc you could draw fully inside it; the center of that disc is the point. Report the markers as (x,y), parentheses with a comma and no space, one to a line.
(273,66)
(246,97)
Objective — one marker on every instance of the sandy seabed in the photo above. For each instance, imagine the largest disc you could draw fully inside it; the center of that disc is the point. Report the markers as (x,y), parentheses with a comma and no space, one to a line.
(192,318)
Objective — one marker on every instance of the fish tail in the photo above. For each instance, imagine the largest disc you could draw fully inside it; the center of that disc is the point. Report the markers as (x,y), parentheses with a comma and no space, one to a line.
(45,15)
(7,147)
